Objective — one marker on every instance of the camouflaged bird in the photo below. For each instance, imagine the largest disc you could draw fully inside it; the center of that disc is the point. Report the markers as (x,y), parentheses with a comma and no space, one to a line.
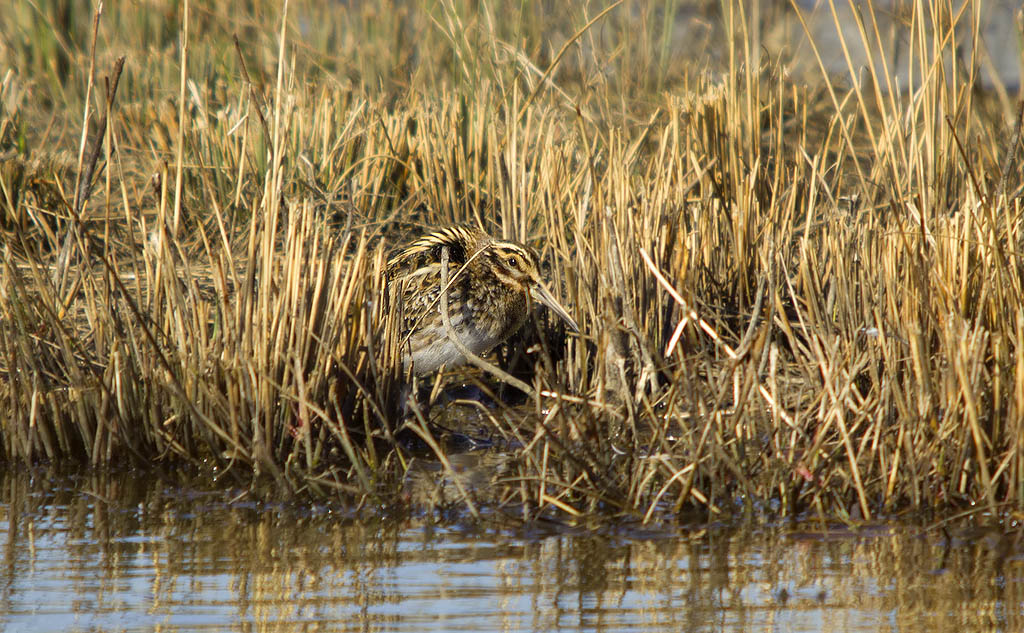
(492,285)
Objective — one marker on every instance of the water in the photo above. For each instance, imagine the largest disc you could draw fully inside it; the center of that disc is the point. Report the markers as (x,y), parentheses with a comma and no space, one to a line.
(132,553)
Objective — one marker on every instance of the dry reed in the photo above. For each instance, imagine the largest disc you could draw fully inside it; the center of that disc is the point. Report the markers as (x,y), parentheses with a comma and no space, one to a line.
(795,296)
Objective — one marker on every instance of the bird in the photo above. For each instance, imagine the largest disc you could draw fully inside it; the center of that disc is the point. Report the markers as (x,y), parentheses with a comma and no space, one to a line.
(492,285)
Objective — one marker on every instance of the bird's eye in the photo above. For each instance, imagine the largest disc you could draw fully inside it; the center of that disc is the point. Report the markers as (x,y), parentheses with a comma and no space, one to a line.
(513,262)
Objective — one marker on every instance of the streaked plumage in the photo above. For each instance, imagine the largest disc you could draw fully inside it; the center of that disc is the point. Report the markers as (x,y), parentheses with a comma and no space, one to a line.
(492,284)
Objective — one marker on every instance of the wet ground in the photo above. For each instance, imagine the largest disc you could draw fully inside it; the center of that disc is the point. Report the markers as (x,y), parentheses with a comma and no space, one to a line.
(123,552)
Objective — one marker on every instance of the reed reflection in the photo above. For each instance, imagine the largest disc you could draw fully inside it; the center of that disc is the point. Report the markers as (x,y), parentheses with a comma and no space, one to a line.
(116,550)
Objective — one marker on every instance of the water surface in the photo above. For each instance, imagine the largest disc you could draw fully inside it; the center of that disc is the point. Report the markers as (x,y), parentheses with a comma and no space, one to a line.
(128,552)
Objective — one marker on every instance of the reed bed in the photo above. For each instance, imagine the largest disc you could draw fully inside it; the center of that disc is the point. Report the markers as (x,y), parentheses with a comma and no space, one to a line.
(796,294)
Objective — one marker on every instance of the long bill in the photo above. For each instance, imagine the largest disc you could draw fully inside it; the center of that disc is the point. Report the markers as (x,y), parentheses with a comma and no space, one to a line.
(540,293)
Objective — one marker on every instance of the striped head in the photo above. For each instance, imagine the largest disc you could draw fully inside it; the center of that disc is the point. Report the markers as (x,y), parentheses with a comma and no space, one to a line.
(516,266)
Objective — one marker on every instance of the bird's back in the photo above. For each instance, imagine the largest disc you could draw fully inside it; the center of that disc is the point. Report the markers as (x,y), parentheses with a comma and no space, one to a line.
(414,281)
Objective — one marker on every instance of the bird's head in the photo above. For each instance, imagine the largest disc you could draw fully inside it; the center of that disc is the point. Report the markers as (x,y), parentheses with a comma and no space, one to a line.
(517,266)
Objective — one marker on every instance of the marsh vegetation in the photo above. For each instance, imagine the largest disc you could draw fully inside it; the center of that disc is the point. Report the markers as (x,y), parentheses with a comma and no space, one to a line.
(798,293)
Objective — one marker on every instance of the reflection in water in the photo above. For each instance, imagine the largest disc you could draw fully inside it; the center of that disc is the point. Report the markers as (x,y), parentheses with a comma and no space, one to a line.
(119,552)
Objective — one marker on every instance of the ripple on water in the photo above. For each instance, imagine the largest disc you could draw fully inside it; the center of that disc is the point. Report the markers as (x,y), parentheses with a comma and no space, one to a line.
(114,552)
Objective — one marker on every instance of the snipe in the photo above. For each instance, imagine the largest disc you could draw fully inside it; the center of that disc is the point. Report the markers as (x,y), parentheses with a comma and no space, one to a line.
(491,287)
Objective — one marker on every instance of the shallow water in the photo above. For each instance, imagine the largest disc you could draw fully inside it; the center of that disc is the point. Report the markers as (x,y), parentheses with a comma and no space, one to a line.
(132,553)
